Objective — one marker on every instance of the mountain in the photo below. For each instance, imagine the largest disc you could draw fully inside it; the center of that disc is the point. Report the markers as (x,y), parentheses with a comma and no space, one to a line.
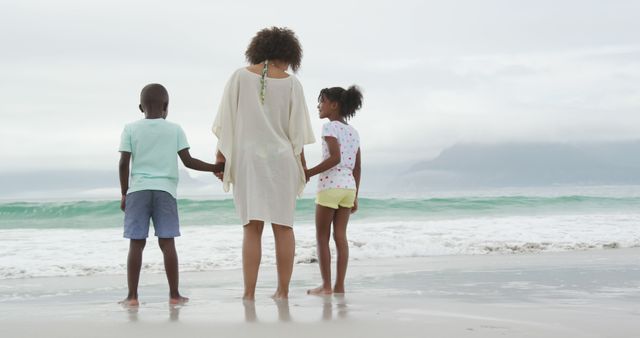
(462,166)
(526,164)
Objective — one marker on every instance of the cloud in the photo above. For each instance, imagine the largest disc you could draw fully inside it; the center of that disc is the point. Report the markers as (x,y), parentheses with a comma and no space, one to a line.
(433,73)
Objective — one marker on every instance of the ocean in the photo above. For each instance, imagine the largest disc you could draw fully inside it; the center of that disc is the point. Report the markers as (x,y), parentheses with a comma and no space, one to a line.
(77,238)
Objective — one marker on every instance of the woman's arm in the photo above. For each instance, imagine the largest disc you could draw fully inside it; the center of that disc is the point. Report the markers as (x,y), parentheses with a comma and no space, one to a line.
(303,160)
(330,162)
(220,159)
(304,165)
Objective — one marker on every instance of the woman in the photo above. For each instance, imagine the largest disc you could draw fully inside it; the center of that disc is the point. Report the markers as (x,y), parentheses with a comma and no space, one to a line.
(262,125)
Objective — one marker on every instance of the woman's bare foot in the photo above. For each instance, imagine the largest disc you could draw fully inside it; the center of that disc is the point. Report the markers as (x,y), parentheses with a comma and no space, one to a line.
(283,309)
(129,302)
(178,301)
(249,310)
(338,289)
(319,291)
(279,295)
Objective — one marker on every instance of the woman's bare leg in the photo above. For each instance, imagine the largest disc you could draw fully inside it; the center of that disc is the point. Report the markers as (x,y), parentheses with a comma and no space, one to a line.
(251,256)
(324,217)
(285,250)
(340,221)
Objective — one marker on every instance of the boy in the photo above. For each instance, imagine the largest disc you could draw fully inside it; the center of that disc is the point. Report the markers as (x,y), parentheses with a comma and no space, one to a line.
(152,143)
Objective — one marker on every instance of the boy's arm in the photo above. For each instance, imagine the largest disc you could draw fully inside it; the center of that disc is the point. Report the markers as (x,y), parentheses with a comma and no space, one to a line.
(123,169)
(356,176)
(196,164)
(331,161)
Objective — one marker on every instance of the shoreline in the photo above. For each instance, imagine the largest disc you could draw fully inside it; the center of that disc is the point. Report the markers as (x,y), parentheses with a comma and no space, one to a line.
(591,293)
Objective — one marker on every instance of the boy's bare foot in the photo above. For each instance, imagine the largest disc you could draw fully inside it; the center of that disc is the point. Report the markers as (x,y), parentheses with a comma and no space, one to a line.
(319,291)
(129,302)
(178,301)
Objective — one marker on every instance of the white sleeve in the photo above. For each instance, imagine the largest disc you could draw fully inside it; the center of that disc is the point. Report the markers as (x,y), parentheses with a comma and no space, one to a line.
(224,126)
(300,131)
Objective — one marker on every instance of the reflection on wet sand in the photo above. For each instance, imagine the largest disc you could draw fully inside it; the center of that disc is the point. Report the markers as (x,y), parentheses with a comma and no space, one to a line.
(251,316)
(174,313)
(340,305)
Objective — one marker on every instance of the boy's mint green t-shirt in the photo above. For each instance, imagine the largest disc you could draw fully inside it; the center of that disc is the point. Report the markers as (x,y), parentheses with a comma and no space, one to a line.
(154,145)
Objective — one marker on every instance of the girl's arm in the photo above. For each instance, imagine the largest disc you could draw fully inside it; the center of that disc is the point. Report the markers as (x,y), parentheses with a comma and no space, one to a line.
(331,161)
(356,176)
(356,172)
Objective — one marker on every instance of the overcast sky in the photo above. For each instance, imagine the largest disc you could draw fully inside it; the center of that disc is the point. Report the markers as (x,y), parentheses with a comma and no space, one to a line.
(434,73)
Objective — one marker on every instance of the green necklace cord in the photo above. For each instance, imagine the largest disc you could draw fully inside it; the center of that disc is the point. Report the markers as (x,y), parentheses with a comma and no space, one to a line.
(263,81)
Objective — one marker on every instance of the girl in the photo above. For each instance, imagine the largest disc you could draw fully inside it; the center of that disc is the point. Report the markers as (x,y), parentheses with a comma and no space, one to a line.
(338,182)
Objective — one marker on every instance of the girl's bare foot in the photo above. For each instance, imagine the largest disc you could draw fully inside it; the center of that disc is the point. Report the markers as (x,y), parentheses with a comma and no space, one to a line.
(338,289)
(178,301)
(319,291)
(129,302)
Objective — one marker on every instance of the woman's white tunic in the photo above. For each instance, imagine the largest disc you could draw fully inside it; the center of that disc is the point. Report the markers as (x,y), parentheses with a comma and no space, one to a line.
(262,145)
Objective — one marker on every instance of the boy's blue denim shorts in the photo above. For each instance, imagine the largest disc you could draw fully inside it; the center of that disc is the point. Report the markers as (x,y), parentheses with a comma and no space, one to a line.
(157,205)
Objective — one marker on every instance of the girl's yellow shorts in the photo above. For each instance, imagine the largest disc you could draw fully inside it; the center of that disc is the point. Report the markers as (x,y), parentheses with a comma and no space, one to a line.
(334,198)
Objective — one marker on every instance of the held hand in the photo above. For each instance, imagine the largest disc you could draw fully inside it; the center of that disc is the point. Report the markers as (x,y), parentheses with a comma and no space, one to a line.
(123,201)
(355,206)
(307,175)
(219,174)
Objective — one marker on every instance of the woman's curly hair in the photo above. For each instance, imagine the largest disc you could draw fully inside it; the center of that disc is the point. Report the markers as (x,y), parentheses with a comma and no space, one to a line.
(275,43)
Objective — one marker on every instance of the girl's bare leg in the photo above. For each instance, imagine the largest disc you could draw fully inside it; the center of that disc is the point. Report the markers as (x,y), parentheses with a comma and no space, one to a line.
(340,221)
(324,217)
(251,256)
(285,251)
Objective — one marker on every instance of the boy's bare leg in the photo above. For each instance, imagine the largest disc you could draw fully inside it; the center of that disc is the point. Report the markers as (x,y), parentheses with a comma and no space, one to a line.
(285,251)
(251,256)
(134,264)
(168,247)
(324,217)
(340,221)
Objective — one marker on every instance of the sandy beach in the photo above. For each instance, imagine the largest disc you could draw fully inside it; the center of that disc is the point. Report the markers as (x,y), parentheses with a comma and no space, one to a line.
(592,293)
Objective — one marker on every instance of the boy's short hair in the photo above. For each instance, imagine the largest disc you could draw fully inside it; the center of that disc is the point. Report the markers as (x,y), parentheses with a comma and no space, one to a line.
(275,43)
(154,94)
